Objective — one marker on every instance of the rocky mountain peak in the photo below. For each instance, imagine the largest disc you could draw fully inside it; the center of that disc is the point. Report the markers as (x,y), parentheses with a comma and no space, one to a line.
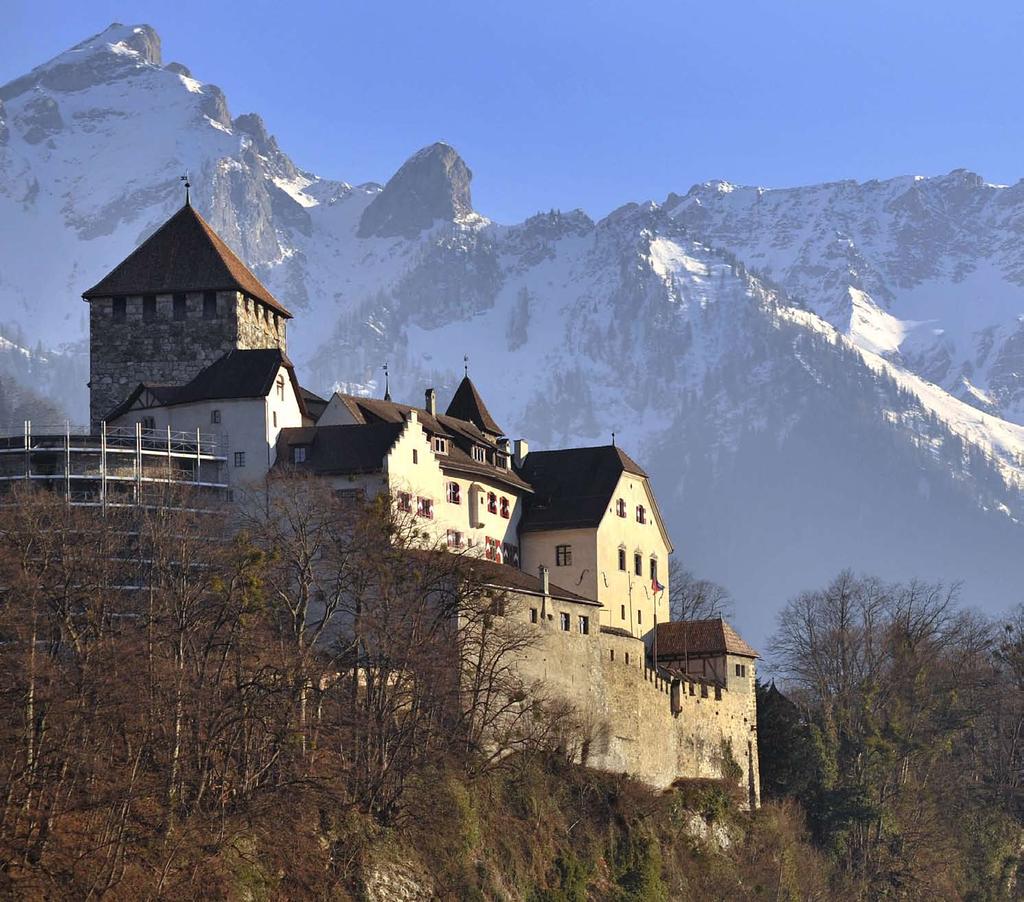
(102,58)
(432,184)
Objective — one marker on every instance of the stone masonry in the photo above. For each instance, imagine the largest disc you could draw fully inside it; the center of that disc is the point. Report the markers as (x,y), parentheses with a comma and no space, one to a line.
(169,351)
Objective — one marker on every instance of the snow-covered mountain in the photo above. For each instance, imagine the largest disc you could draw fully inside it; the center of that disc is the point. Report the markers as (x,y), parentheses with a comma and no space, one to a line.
(788,435)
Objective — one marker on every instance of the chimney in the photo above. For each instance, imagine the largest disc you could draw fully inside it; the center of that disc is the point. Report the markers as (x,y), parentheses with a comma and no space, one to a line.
(430,401)
(545,583)
(520,452)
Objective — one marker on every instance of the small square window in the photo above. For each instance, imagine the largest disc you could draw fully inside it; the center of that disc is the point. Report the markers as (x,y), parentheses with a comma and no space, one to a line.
(119,310)
(180,307)
(239,458)
(149,308)
(584,626)
(215,417)
(425,508)
(405,502)
(565,621)
(563,555)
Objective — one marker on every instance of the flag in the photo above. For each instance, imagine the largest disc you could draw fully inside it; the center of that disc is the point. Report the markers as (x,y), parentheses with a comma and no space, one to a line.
(656,586)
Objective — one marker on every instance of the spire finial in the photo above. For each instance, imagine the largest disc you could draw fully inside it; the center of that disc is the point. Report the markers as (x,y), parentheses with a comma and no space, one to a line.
(188,184)
(465,364)
(387,382)
(613,439)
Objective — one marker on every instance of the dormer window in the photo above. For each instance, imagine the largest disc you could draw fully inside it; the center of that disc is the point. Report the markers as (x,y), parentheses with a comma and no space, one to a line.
(641,514)
(440,445)
(503,507)
(479,454)
(492,503)
(299,454)
(501,460)
(454,493)
(620,507)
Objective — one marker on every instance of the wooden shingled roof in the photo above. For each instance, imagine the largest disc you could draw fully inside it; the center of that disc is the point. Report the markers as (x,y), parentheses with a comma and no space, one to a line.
(701,637)
(184,254)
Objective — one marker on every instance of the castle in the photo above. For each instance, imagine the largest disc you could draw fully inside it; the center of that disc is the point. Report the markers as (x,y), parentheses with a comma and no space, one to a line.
(189,375)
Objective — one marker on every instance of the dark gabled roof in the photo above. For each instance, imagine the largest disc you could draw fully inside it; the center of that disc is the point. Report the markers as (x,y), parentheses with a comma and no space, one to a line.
(701,637)
(339,449)
(315,405)
(377,410)
(236,374)
(573,487)
(512,578)
(184,254)
(467,404)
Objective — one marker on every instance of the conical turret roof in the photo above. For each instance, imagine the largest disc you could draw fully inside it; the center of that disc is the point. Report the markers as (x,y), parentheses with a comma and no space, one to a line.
(468,405)
(184,254)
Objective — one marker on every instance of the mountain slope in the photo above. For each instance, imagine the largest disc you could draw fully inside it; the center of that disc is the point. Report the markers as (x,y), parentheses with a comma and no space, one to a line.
(784,443)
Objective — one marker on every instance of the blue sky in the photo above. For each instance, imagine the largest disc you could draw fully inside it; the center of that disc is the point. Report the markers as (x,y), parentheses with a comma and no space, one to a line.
(593,104)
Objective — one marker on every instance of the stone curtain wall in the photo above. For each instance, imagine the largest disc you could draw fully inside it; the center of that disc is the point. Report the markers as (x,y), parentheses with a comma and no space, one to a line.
(165,350)
(627,710)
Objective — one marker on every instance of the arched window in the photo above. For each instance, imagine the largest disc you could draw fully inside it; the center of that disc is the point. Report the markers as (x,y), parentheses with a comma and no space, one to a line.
(620,507)
(454,493)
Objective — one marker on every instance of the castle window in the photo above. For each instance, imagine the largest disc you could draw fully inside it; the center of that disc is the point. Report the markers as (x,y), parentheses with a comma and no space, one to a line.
(148,308)
(620,507)
(209,305)
(299,454)
(239,458)
(638,564)
(479,454)
(622,559)
(627,657)
(639,616)
(280,388)
(148,424)
(405,502)
(641,514)
(441,445)
(622,612)
(654,571)
(454,493)
(273,417)
(180,307)
(612,653)
(504,507)
(425,508)
(563,555)
(533,615)
(492,503)
(119,310)
(584,626)
(455,539)
(566,621)
(415,456)
(214,417)
(741,670)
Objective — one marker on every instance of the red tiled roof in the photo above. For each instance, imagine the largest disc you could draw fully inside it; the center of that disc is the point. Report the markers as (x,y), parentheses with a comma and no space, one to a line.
(701,637)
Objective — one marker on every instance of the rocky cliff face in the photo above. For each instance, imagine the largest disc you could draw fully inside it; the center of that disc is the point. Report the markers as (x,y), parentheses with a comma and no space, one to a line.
(817,378)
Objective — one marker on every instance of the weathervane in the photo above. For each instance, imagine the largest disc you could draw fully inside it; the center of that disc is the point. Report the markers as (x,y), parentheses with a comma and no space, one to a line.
(613,439)
(465,364)
(188,184)
(387,382)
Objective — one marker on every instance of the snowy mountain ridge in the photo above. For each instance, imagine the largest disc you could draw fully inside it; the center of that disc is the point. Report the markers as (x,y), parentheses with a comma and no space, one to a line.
(809,374)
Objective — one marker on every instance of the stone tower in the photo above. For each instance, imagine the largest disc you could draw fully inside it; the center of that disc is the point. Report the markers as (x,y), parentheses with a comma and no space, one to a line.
(173,306)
